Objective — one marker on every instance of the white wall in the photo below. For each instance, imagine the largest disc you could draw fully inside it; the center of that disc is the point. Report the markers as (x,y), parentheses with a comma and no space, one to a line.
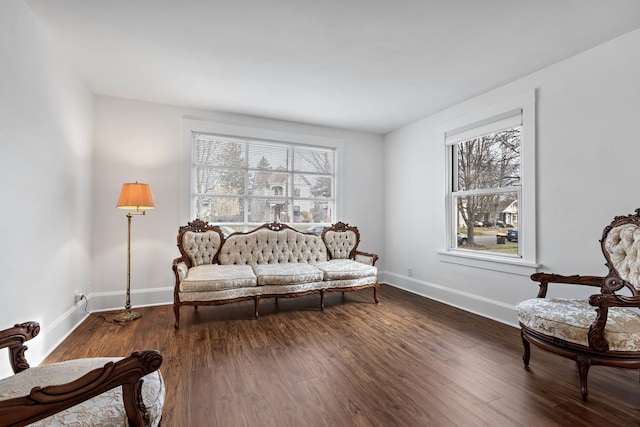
(45,174)
(141,141)
(587,173)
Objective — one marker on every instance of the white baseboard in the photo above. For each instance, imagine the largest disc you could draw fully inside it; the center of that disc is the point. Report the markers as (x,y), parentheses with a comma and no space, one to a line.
(485,307)
(106,301)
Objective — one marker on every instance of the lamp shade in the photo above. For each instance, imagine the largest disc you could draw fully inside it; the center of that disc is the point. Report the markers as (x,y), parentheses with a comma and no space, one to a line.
(136,196)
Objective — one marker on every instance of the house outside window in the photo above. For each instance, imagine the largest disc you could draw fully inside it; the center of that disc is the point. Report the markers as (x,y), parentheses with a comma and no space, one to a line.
(491,186)
(244,182)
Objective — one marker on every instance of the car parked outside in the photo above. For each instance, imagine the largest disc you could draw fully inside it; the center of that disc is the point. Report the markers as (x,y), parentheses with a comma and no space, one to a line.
(512,234)
(462,239)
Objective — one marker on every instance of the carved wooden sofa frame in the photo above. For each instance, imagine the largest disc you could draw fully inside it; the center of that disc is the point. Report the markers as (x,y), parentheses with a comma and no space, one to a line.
(338,242)
(609,331)
(50,399)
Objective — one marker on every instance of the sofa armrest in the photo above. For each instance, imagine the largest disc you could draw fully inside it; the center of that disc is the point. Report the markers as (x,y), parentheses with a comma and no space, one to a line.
(14,339)
(50,399)
(576,279)
(366,258)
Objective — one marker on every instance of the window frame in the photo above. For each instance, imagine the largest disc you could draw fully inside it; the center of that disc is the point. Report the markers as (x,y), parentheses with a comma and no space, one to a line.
(191,125)
(525,263)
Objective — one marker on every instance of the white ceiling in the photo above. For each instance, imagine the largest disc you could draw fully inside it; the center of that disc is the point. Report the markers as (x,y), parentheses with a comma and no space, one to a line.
(371,65)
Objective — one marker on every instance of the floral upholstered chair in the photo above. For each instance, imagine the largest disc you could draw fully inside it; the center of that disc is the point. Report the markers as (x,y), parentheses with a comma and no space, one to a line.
(603,329)
(83,392)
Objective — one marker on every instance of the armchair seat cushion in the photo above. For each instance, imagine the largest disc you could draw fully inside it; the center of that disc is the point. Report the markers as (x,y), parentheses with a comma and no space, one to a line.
(569,320)
(341,269)
(106,409)
(215,277)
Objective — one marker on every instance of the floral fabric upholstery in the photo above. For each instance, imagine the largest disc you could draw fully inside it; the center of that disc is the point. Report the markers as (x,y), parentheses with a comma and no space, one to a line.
(272,247)
(201,246)
(569,320)
(214,277)
(338,269)
(286,274)
(623,245)
(106,409)
(340,244)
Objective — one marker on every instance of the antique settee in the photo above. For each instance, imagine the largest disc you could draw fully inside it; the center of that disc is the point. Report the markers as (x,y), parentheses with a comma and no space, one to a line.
(603,329)
(82,392)
(270,261)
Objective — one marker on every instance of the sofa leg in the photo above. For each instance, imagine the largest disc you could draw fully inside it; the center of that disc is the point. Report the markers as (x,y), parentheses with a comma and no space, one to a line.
(343,297)
(276,303)
(584,363)
(321,299)
(256,301)
(375,293)
(176,313)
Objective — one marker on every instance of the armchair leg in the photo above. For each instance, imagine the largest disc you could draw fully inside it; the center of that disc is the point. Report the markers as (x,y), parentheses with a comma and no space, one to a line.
(527,349)
(584,363)
(176,313)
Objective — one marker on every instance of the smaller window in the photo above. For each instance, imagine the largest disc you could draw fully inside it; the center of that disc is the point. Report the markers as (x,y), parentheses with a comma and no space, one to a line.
(486,185)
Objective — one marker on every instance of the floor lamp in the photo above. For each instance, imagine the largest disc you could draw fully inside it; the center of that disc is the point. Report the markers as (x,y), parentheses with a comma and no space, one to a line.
(138,197)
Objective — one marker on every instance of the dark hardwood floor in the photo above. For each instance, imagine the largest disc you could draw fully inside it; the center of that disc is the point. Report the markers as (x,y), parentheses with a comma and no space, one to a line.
(407,361)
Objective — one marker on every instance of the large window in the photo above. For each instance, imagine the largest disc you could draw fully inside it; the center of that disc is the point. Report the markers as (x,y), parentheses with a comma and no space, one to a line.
(241,182)
(486,184)
(491,185)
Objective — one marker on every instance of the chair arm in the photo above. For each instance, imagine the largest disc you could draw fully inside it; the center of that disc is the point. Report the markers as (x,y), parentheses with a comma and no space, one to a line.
(46,401)
(180,269)
(14,338)
(602,302)
(576,279)
(366,258)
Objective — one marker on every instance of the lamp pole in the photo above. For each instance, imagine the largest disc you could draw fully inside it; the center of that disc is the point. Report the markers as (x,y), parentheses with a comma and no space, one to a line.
(128,315)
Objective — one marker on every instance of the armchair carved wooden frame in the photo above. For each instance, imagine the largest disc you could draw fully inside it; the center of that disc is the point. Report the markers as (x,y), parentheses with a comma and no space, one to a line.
(113,382)
(603,329)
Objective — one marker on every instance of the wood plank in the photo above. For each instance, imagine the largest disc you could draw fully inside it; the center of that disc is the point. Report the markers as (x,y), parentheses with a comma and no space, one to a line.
(408,361)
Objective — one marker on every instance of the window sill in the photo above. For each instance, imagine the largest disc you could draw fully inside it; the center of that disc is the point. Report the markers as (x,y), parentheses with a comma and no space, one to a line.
(489,262)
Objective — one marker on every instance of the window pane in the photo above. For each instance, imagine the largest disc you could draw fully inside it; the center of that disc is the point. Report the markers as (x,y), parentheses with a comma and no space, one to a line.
(487,222)
(489,161)
(208,180)
(309,160)
(213,151)
(312,186)
(271,157)
(269,183)
(219,209)
(269,210)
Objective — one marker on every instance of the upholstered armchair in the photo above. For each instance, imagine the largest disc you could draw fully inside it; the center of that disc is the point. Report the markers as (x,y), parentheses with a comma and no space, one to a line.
(603,329)
(99,391)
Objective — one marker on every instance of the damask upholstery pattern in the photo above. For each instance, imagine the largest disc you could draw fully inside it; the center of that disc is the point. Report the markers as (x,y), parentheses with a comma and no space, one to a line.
(340,243)
(99,411)
(337,269)
(623,245)
(272,247)
(201,247)
(569,320)
(214,277)
(286,274)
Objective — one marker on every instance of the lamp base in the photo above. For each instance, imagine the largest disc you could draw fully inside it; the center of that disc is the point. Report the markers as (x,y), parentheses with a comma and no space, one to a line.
(127,316)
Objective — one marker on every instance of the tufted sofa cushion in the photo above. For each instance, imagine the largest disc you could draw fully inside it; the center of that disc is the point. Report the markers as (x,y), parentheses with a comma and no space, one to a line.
(214,277)
(340,244)
(339,269)
(623,245)
(272,247)
(106,409)
(569,320)
(201,247)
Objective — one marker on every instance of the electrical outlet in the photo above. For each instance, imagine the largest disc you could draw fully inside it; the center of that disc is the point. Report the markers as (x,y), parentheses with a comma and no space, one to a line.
(78,296)
(410,272)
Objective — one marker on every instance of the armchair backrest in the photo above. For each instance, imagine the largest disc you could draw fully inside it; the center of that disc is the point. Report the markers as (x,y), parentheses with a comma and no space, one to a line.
(341,240)
(621,247)
(199,242)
